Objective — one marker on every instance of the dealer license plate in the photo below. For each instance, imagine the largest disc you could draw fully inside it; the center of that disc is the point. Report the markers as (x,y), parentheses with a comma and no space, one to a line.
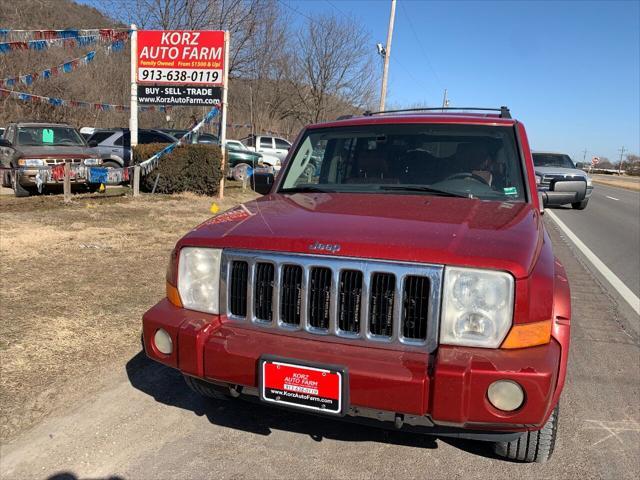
(308,387)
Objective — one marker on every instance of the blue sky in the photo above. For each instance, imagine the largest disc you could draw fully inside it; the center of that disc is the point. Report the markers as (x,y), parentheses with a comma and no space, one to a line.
(569,70)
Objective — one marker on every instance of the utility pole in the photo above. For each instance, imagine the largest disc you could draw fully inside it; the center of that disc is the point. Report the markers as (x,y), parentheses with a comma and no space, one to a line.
(445,102)
(387,54)
(584,156)
(622,150)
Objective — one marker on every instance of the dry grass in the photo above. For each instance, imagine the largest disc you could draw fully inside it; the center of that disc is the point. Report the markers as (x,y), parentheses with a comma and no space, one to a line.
(611,181)
(74,282)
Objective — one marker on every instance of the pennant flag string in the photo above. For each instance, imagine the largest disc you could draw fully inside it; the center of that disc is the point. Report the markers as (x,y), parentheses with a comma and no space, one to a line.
(117,40)
(106,34)
(65,67)
(151,162)
(59,102)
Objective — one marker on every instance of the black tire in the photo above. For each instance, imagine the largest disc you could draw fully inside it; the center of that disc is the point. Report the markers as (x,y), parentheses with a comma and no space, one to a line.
(532,446)
(206,389)
(580,205)
(111,164)
(18,190)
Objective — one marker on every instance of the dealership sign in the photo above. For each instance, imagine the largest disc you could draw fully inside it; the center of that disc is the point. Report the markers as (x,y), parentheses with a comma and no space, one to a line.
(187,96)
(180,57)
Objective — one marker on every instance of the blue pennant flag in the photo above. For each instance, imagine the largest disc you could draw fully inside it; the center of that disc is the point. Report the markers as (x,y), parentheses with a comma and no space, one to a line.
(38,44)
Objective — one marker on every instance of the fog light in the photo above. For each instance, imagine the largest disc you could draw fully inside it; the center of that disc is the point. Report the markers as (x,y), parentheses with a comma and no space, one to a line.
(162,341)
(505,395)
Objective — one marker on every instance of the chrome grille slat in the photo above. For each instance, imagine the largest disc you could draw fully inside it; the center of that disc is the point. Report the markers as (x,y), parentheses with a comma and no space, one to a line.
(305,309)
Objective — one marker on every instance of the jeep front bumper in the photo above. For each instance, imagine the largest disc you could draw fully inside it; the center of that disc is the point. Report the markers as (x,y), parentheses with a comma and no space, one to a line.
(446,391)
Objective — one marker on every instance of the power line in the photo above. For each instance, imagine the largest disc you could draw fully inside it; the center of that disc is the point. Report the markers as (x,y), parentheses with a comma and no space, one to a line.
(297,11)
(338,9)
(424,52)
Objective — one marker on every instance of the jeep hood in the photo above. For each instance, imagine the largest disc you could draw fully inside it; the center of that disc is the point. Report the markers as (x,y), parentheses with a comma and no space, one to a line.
(412,228)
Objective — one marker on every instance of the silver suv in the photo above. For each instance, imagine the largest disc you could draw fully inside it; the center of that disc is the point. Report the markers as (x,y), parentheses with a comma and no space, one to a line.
(560,182)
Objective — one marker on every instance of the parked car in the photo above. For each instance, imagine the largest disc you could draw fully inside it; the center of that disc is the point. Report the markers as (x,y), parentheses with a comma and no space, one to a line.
(407,281)
(1,131)
(560,181)
(114,144)
(205,138)
(275,146)
(240,159)
(30,146)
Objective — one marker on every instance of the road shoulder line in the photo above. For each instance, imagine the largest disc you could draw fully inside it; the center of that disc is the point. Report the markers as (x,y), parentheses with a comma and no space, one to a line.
(599,265)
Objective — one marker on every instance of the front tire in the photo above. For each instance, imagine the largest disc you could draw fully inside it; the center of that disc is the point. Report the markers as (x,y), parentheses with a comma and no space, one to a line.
(531,446)
(580,205)
(18,190)
(205,389)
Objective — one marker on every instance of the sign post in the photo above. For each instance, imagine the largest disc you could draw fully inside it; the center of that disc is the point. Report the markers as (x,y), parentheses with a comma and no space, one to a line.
(223,115)
(133,118)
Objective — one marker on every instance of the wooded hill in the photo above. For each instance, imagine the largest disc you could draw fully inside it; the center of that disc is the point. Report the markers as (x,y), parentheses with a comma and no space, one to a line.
(282,76)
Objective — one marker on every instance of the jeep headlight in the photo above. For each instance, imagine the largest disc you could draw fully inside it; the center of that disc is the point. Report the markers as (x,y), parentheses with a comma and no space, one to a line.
(589,182)
(32,162)
(199,278)
(477,307)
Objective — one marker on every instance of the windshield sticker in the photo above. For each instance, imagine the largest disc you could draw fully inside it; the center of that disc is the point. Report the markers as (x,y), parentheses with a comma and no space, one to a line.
(47,135)
(510,190)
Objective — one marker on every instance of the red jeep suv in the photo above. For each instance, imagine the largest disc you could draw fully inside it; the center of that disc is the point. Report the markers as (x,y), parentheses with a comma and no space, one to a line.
(396,272)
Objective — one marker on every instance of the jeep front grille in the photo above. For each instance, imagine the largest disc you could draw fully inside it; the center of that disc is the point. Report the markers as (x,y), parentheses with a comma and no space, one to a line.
(365,300)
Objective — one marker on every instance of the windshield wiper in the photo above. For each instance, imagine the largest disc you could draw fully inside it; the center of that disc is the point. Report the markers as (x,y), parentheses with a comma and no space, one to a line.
(304,189)
(435,191)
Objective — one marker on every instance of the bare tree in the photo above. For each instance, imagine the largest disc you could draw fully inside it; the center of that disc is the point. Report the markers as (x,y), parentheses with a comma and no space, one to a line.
(332,69)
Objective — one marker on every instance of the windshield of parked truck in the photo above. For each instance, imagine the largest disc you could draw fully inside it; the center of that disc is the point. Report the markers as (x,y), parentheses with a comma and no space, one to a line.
(473,161)
(49,136)
(552,160)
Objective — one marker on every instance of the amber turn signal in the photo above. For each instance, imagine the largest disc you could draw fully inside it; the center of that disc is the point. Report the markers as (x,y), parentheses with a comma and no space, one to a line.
(173,295)
(528,335)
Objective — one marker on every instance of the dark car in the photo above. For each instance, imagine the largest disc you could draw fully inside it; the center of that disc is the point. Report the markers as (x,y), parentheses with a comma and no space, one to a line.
(31,147)
(202,138)
(113,145)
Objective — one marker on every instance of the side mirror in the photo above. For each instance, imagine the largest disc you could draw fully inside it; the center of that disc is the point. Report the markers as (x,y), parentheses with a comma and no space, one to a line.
(262,182)
(542,200)
(5,143)
(93,144)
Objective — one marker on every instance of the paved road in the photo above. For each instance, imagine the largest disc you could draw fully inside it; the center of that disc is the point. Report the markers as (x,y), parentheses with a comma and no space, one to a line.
(610,227)
(144,424)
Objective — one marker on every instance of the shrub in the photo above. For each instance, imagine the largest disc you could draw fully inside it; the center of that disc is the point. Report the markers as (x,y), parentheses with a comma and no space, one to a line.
(189,168)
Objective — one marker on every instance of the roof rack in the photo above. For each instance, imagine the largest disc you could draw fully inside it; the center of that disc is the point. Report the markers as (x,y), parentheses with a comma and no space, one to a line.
(504,111)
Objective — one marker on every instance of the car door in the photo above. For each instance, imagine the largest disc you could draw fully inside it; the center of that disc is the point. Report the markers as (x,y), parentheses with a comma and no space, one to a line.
(265,145)
(6,152)
(282,148)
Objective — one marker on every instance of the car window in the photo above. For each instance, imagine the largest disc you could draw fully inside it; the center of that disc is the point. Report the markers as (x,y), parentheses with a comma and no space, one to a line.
(469,160)
(145,137)
(552,160)
(282,144)
(266,142)
(100,137)
(49,135)
(119,141)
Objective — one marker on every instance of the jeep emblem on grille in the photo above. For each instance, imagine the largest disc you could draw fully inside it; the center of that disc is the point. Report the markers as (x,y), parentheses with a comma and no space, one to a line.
(325,247)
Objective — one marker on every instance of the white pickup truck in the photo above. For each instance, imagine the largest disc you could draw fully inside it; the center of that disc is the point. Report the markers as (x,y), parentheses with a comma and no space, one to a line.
(268,145)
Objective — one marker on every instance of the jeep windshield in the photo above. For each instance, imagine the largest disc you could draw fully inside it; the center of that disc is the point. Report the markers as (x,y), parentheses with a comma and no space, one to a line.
(48,136)
(552,160)
(471,161)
